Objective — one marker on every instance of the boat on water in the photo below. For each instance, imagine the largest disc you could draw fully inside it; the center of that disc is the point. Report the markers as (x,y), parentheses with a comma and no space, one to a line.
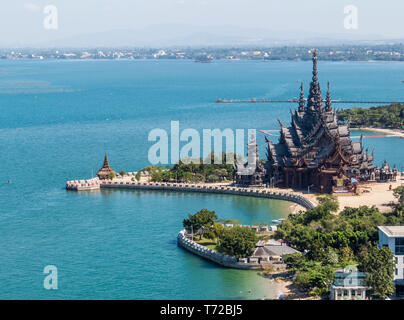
(204,59)
(278,220)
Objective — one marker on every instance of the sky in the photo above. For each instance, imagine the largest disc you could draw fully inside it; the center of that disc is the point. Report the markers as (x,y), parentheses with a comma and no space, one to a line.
(22,21)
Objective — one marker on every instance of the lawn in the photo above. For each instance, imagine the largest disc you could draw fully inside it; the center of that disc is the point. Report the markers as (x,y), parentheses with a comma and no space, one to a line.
(208,243)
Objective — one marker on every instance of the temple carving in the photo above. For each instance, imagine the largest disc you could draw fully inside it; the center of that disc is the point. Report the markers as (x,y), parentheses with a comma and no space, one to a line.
(315,151)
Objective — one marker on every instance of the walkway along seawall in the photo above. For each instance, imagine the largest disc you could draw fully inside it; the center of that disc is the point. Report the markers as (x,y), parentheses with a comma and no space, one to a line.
(216,257)
(251,192)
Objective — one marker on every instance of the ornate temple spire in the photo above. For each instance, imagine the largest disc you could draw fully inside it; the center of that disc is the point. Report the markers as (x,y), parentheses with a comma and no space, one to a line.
(106,172)
(106,162)
(328,104)
(315,100)
(301,99)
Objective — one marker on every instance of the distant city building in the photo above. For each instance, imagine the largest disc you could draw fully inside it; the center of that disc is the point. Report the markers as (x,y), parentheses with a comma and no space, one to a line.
(349,284)
(393,237)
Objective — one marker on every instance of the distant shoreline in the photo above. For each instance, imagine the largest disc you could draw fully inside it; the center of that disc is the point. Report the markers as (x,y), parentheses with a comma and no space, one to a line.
(388,131)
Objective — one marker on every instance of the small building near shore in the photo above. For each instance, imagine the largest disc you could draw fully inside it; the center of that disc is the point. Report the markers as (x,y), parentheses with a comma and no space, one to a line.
(349,284)
(106,171)
(272,250)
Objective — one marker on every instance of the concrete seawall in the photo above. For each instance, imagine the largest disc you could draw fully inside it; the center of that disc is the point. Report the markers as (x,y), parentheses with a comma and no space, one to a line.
(251,192)
(216,257)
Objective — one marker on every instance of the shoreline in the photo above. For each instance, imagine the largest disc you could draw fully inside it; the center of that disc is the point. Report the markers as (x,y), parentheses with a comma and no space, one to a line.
(388,131)
(284,288)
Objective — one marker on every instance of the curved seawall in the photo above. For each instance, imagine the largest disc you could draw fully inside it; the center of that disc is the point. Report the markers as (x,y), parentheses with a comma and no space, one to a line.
(251,192)
(216,257)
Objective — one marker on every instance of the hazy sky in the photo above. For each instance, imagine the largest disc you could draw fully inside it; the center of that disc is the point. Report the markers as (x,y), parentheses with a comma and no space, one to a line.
(21,21)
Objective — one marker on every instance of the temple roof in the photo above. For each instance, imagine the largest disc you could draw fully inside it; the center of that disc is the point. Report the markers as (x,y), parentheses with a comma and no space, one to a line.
(315,134)
(106,169)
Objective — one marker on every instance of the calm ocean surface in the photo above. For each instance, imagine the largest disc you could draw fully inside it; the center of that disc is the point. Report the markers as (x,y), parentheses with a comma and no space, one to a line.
(57,118)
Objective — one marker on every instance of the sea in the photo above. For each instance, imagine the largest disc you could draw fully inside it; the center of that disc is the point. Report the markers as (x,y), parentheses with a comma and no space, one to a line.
(59,118)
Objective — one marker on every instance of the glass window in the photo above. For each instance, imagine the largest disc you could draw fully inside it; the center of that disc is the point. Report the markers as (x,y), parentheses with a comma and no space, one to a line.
(396,272)
(399,248)
(345,292)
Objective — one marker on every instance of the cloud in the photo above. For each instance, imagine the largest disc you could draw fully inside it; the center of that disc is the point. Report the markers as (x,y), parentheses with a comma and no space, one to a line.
(31,7)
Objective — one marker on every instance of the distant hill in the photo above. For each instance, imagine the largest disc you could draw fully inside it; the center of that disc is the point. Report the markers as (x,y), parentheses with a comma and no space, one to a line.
(186,35)
(391,116)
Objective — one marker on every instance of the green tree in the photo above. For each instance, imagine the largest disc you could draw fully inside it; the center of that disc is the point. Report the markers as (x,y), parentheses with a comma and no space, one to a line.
(156,176)
(331,257)
(379,267)
(217,229)
(329,202)
(199,221)
(399,194)
(294,261)
(238,241)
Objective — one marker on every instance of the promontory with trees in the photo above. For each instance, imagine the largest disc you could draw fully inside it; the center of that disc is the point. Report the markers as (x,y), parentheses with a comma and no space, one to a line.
(327,242)
(237,241)
(391,116)
(187,170)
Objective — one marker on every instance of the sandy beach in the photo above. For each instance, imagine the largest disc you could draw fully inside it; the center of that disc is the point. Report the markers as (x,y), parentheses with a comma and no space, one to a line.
(372,194)
(393,132)
(284,288)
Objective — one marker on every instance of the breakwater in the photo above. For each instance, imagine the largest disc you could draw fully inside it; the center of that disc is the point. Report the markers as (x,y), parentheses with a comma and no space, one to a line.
(251,192)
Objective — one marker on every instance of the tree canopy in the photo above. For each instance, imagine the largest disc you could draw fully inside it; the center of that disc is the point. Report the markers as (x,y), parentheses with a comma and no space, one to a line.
(194,171)
(199,221)
(379,267)
(383,116)
(332,242)
(238,241)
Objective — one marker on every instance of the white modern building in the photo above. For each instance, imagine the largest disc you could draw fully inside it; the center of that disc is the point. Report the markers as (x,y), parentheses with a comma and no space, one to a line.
(393,237)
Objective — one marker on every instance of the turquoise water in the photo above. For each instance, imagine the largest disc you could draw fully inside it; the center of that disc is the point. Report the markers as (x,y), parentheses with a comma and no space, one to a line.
(57,118)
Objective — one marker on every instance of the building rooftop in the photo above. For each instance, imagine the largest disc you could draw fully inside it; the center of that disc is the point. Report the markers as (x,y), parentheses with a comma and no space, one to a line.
(392,231)
(277,249)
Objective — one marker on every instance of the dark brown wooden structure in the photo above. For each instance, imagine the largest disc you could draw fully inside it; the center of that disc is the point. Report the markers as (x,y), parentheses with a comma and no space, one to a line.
(315,151)
(105,171)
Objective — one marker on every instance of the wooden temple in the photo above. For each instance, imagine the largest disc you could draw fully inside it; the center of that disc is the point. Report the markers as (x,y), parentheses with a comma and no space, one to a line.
(315,151)
(106,171)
